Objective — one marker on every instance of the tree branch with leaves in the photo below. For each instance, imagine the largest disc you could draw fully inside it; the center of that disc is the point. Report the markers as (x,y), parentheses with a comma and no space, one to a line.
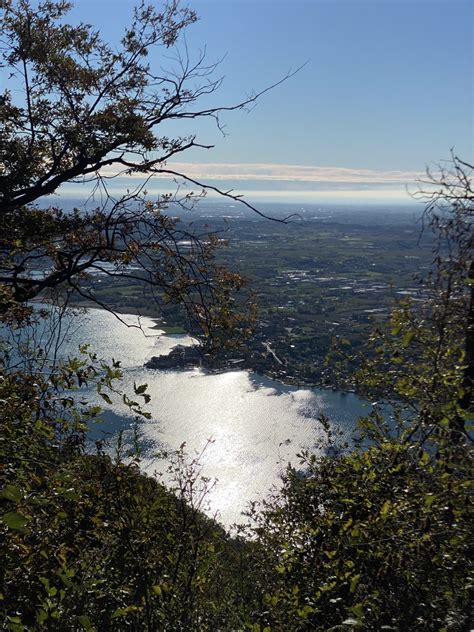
(83,111)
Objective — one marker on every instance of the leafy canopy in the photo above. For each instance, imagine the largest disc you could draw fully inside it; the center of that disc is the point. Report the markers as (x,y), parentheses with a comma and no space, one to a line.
(83,111)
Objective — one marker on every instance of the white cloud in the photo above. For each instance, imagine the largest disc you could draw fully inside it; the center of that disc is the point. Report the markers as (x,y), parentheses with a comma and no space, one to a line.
(268,172)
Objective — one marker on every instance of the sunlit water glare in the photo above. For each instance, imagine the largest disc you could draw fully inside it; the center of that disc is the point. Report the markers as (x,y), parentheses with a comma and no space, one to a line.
(257,426)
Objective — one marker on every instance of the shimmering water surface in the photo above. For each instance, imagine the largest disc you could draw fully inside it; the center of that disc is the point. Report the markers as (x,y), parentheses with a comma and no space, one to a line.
(257,425)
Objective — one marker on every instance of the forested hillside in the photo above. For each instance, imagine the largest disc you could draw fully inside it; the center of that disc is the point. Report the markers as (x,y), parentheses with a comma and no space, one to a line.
(377,537)
(371,535)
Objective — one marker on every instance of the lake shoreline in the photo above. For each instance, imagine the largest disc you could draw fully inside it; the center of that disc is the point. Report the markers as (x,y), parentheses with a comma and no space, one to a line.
(263,363)
(256,424)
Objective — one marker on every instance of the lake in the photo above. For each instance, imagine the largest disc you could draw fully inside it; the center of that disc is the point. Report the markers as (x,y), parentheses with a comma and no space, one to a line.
(257,425)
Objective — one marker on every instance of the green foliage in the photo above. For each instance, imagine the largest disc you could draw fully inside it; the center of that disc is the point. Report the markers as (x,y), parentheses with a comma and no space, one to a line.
(85,110)
(372,536)
(422,359)
(89,543)
(379,537)
(375,537)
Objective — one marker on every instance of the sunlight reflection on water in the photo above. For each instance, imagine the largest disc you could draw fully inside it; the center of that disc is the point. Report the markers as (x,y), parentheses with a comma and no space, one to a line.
(257,425)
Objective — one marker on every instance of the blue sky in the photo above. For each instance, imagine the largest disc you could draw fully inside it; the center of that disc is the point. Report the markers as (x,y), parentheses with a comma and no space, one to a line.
(387,89)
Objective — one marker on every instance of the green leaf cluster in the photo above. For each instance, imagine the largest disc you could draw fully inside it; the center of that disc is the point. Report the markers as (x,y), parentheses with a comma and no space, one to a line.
(90,543)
